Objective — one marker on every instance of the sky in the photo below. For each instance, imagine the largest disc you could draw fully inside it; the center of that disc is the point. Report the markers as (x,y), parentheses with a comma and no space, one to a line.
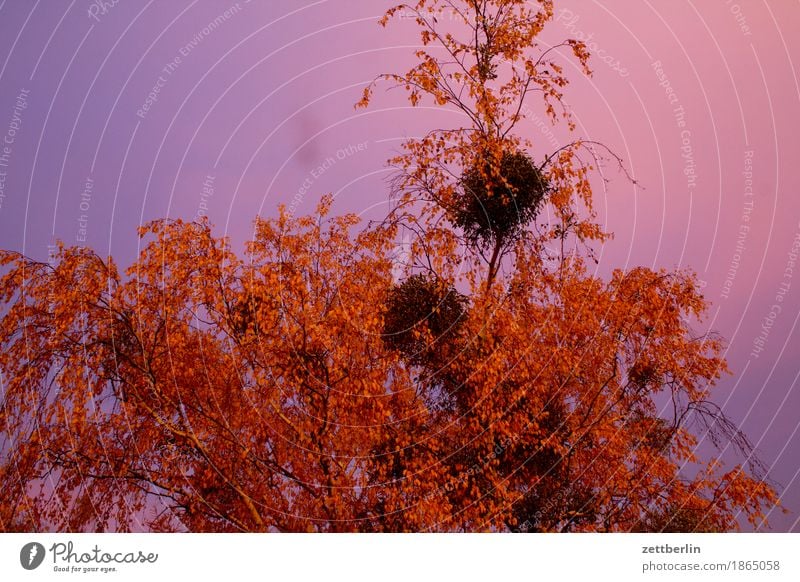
(116,113)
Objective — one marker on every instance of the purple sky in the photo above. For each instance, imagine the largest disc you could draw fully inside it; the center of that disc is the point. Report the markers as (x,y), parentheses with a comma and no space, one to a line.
(257,110)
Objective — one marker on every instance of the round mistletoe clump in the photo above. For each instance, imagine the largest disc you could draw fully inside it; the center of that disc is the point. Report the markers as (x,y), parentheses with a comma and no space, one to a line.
(495,204)
(418,304)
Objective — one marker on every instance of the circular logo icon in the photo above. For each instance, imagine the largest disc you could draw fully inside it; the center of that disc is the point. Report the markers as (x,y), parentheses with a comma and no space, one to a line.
(31,555)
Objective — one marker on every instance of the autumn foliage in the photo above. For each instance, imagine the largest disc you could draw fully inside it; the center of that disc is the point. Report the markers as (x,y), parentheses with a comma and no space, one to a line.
(301,386)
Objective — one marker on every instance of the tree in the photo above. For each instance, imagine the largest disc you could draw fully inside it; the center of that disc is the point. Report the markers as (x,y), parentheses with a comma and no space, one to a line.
(498,386)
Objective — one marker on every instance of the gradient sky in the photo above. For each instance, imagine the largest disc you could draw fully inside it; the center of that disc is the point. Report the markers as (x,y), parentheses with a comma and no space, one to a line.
(259,109)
